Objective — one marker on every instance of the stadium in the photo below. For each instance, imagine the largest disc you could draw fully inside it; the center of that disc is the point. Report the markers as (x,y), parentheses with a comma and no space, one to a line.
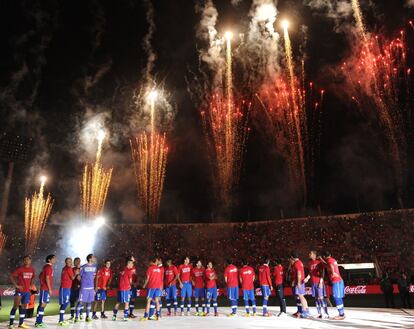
(235,164)
(370,254)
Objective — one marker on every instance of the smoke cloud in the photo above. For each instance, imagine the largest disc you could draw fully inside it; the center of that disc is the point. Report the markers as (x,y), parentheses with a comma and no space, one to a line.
(262,46)
(236,2)
(211,52)
(338,10)
(140,118)
(30,61)
(257,51)
(18,97)
(147,45)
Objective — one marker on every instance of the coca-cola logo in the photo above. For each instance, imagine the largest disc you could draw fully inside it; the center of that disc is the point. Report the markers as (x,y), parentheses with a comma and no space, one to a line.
(9,292)
(355,290)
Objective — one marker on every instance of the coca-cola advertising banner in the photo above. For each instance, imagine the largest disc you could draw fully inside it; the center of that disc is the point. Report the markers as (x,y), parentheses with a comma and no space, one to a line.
(349,290)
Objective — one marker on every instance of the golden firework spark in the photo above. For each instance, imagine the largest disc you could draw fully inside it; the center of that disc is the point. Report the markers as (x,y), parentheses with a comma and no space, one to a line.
(3,240)
(359,18)
(295,96)
(95,184)
(225,126)
(36,212)
(149,155)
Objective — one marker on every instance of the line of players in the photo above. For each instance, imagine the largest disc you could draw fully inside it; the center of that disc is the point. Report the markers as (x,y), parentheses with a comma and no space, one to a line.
(84,286)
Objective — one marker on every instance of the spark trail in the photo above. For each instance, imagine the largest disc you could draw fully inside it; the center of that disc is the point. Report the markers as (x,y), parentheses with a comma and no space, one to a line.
(95,184)
(293,111)
(225,126)
(37,211)
(149,155)
(359,18)
(296,111)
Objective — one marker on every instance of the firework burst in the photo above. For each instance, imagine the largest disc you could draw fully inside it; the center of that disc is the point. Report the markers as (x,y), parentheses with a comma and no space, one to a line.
(37,210)
(149,155)
(379,78)
(225,125)
(95,184)
(293,111)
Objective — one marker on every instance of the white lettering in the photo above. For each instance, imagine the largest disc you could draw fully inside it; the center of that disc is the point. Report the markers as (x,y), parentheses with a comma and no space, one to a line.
(355,290)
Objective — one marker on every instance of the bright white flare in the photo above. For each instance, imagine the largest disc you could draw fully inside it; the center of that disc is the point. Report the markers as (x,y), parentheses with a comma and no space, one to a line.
(43,179)
(100,135)
(152,96)
(228,35)
(285,24)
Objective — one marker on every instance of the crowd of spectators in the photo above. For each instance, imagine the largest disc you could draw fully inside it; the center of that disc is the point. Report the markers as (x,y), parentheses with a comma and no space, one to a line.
(385,239)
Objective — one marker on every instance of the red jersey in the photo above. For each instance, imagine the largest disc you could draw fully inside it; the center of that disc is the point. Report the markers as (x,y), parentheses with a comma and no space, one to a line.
(103,276)
(297,267)
(162,269)
(247,277)
(333,278)
(46,272)
(66,277)
(278,274)
(264,275)
(315,270)
(198,277)
(125,278)
(76,280)
(210,277)
(155,276)
(170,275)
(134,275)
(24,276)
(185,272)
(231,274)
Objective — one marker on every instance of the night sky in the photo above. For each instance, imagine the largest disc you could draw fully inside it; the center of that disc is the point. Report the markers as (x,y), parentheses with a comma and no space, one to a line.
(63,62)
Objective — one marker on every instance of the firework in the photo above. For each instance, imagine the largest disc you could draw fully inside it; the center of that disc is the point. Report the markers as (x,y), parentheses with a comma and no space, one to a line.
(95,184)
(379,78)
(225,125)
(36,212)
(293,112)
(297,112)
(3,240)
(149,155)
(359,18)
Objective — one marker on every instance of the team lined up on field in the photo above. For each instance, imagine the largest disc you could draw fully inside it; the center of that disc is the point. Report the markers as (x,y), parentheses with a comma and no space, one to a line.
(85,286)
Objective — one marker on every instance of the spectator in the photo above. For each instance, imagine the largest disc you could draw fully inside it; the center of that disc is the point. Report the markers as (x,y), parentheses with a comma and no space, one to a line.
(388,290)
(404,290)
